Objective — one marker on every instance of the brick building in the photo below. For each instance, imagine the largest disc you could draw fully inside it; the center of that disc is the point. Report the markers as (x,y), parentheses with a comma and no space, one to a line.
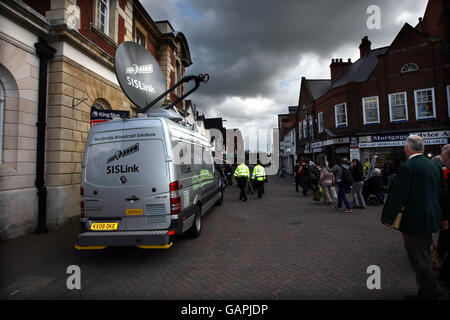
(56,63)
(368,107)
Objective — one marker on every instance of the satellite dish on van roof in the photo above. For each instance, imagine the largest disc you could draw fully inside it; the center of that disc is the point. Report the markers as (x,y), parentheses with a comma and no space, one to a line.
(139,74)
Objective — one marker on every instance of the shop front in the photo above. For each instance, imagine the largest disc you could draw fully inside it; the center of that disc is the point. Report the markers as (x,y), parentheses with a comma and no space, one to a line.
(389,148)
(335,149)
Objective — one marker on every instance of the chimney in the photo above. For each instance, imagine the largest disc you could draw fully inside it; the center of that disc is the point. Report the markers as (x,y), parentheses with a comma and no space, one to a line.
(337,66)
(364,47)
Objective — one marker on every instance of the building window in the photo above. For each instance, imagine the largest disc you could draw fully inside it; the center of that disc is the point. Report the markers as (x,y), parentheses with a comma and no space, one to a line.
(398,107)
(310,126)
(320,122)
(371,111)
(425,107)
(103,15)
(300,130)
(2,108)
(448,100)
(140,38)
(409,67)
(305,128)
(340,113)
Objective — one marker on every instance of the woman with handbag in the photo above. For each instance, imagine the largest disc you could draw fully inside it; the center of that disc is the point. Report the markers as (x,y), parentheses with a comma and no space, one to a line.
(326,181)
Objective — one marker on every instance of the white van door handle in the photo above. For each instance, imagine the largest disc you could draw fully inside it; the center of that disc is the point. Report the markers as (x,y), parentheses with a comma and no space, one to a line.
(132,198)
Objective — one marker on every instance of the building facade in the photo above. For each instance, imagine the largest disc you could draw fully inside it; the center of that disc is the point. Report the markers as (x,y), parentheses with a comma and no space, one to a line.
(369,107)
(56,64)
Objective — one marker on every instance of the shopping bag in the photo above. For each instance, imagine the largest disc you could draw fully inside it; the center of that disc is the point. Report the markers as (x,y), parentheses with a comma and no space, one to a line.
(320,190)
(333,193)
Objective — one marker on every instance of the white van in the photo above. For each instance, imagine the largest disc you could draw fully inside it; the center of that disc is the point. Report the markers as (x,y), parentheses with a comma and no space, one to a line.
(143,181)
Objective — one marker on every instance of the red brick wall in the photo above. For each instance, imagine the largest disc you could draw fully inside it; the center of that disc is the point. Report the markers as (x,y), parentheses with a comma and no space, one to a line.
(123,4)
(40,6)
(152,48)
(121,30)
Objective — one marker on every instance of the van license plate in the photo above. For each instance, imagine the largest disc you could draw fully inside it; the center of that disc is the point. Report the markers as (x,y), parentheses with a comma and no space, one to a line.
(104,226)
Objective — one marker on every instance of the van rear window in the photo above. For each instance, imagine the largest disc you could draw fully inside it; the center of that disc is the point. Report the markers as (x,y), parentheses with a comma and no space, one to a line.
(141,162)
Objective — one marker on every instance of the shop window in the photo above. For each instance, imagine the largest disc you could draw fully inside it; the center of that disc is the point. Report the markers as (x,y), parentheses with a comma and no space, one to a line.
(398,107)
(103,15)
(371,110)
(320,122)
(340,113)
(425,106)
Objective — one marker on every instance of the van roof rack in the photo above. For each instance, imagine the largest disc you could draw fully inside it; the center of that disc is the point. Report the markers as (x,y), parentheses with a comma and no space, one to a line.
(165,113)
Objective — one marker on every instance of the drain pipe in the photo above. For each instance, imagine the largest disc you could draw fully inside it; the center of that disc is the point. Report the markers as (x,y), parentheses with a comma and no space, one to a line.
(44,52)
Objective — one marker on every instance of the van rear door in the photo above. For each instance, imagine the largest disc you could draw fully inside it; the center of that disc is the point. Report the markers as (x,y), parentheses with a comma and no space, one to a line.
(145,198)
(103,189)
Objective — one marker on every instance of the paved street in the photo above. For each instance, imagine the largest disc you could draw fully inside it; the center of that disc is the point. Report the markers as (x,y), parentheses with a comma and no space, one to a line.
(284,246)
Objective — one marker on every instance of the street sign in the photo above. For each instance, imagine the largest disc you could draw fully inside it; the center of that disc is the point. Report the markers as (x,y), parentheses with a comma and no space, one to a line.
(98,115)
(139,74)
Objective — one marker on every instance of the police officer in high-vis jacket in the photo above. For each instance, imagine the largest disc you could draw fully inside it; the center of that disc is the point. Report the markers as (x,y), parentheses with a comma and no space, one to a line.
(259,176)
(242,175)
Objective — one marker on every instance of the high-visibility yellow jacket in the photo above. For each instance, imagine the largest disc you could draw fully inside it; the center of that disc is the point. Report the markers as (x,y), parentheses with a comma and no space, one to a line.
(366,167)
(242,171)
(259,173)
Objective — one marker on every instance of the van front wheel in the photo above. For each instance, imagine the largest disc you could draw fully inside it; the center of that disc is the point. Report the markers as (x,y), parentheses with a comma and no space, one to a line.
(196,228)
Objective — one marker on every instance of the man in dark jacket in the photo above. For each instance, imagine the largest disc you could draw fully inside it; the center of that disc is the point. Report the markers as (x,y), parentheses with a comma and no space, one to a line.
(444,236)
(304,177)
(418,192)
(297,175)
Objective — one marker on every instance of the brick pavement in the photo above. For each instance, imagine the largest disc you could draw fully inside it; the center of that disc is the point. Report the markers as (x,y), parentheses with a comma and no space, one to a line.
(284,246)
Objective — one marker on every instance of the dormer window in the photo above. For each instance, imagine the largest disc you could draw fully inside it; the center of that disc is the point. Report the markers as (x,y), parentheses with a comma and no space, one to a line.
(410,67)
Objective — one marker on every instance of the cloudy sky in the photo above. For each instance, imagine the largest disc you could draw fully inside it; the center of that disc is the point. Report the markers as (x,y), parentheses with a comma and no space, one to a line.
(256,51)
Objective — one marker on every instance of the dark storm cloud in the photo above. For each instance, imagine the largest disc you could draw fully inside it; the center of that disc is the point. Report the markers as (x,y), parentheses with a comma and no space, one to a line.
(249,46)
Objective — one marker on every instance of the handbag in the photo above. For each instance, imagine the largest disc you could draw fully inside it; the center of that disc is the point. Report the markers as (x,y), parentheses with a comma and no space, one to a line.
(333,193)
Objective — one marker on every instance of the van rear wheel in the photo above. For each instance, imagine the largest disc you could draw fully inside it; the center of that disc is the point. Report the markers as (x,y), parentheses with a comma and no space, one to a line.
(196,228)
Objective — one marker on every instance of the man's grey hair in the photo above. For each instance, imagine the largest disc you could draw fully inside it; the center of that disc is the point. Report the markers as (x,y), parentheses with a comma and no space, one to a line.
(438,160)
(415,143)
(376,171)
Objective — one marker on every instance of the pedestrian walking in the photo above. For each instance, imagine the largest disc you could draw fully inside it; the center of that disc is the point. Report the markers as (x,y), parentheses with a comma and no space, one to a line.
(326,181)
(304,176)
(297,175)
(259,176)
(443,246)
(342,175)
(242,175)
(418,193)
(358,183)
(229,174)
